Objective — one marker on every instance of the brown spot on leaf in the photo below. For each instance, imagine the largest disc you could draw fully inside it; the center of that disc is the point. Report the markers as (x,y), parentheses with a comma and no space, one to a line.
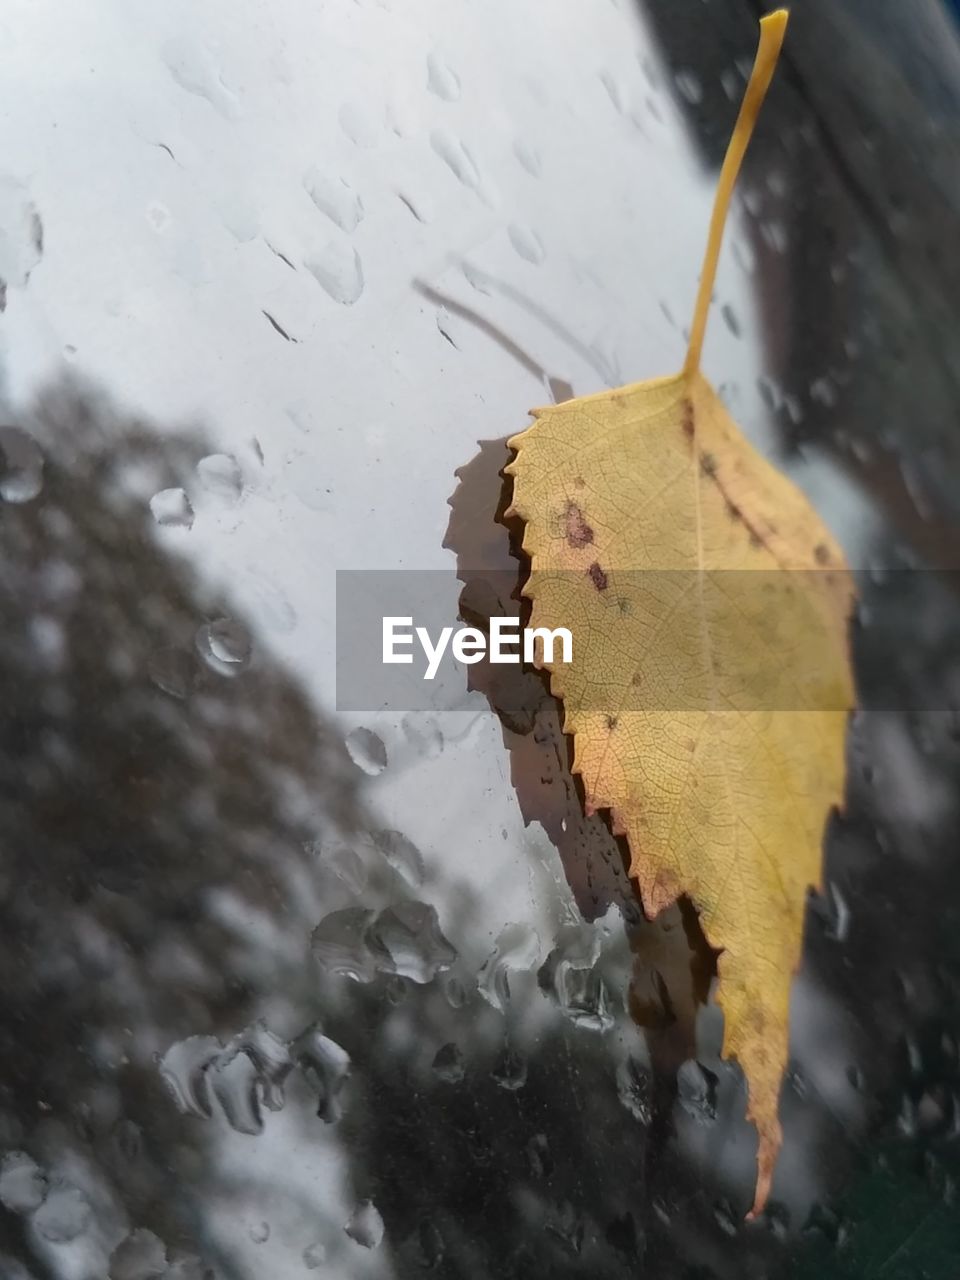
(821,553)
(597,576)
(686,418)
(612,722)
(708,464)
(579,534)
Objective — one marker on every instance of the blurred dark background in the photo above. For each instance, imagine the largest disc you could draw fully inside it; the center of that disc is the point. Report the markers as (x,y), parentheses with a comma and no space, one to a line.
(174,825)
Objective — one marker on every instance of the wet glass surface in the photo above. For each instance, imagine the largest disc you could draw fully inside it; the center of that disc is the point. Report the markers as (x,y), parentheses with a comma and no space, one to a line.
(287,991)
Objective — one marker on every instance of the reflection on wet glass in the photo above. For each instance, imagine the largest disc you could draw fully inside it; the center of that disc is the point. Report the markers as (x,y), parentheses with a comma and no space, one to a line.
(289,994)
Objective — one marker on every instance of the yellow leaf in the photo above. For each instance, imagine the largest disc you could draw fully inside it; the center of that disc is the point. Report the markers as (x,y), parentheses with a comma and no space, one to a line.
(710,681)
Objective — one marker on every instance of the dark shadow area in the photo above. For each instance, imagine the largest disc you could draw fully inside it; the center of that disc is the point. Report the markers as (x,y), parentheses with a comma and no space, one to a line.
(874,904)
(850,195)
(150,804)
(177,820)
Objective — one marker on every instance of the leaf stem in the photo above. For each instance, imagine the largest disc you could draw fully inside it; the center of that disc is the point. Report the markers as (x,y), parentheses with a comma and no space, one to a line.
(772,30)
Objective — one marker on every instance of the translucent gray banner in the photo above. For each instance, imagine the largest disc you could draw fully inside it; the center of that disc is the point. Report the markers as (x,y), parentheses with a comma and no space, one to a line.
(639,640)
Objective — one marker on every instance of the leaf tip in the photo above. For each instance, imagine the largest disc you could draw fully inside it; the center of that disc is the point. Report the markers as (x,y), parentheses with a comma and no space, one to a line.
(776,20)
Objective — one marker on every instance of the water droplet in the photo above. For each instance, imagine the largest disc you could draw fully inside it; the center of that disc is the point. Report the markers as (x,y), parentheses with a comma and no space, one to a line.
(336,198)
(615,91)
(743,256)
(510,1070)
(775,235)
(340,943)
(326,1066)
(404,940)
(689,87)
(274,610)
(567,1227)
(171,508)
(359,126)
(314,1256)
(443,324)
(396,990)
(823,1222)
(158,216)
(21,465)
(527,243)
(172,670)
(235,1082)
(366,1225)
(220,475)
(822,391)
(635,1089)
(194,71)
(424,734)
(448,1064)
(22,1182)
(260,1232)
(225,646)
(840,913)
(271,1057)
(793,407)
(21,234)
(454,991)
(649,73)
(539,1157)
(697,1091)
(63,1215)
(240,215)
(183,1069)
(476,278)
(339,272)
(456,157)
(139,1256)
(663,1210)
(419,204)
(726,1218)
(730,319)
(517,947)
(917,487)
(367,751)
(776,1218)
(442,79)
(769,393)
(188,1268)
(529,157)
(402,854)
(570,977)
(731,84)
(408,938)
(346,864)
(752,199)
(431,1243)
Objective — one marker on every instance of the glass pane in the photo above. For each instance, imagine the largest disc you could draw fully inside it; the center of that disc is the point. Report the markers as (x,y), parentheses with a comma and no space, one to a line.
(290,988)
